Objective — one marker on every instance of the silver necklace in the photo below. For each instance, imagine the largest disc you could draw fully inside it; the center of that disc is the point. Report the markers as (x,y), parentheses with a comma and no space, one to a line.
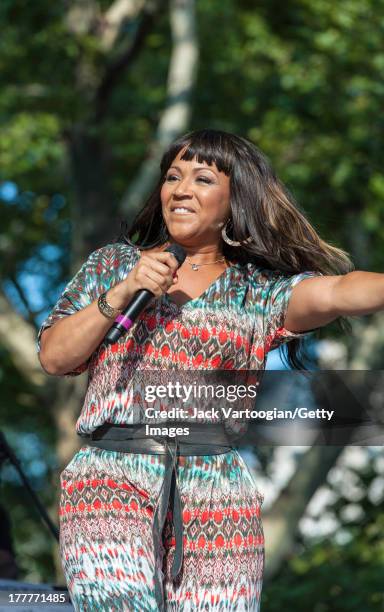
(196,266)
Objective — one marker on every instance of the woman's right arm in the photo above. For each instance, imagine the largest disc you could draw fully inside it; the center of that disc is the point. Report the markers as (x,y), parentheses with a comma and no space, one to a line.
(72,339)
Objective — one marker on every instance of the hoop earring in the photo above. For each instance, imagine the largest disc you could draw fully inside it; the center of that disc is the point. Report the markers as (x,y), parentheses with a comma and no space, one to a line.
(229,240)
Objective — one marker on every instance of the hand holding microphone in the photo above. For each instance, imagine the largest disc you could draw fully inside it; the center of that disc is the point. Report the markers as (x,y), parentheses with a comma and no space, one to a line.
(151,277)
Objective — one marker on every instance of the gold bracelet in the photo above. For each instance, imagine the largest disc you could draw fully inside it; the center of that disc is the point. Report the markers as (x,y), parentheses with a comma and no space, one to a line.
(106,309)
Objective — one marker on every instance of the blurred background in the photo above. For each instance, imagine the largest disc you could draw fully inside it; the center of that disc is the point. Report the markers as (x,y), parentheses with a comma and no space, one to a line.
(91,94)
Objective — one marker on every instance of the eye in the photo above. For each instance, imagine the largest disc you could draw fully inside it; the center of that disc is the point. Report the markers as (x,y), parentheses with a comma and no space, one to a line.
(204,179)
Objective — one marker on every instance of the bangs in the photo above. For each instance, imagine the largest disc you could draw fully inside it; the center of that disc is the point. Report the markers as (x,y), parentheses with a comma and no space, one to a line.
(206,146)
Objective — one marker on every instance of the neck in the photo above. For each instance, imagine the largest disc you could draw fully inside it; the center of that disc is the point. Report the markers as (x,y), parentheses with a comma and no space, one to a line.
(202,254)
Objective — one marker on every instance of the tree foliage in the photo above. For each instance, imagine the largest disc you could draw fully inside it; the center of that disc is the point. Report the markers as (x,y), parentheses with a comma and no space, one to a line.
(80,102)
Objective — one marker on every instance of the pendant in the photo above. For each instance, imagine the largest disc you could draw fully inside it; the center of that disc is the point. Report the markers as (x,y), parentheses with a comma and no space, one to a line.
(195,267)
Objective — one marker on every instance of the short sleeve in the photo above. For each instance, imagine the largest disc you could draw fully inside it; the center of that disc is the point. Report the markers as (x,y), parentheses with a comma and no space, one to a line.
(276,306)
(80,292)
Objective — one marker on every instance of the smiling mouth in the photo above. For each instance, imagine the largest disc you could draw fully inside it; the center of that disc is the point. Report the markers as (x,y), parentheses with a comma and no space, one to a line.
(182,210)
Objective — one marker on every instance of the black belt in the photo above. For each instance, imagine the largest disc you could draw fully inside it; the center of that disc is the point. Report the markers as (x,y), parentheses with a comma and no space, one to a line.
(133,439)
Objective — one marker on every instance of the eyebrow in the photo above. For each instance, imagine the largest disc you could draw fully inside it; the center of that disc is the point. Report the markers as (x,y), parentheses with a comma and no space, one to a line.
(194,169)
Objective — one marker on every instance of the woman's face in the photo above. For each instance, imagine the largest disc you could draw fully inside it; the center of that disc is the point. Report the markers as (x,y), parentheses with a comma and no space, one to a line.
(195,202)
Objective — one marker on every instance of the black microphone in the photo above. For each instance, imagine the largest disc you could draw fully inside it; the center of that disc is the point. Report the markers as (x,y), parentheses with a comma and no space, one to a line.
(126,319)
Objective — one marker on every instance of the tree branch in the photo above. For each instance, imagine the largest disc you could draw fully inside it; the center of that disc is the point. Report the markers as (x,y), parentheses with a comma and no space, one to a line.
(82,16)
(19,338)
(121,63)
(21,294)
(116,16)
(281,521)
(175,117)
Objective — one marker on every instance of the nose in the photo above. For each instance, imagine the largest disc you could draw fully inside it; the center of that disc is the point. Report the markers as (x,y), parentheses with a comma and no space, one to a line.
(183,188)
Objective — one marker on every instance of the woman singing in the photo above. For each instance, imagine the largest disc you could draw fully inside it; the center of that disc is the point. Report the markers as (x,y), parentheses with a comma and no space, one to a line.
(152,524)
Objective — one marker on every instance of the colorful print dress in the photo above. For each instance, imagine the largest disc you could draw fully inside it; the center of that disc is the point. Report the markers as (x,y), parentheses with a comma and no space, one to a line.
(108,498)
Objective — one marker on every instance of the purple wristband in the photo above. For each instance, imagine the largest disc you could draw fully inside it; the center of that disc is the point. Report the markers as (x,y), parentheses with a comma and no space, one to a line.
(124,321)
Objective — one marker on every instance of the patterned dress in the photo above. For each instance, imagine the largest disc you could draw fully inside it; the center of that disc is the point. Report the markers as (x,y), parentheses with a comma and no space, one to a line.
(108,498)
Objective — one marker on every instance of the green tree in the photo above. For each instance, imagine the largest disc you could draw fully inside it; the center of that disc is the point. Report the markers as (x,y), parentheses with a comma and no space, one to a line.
(92,92)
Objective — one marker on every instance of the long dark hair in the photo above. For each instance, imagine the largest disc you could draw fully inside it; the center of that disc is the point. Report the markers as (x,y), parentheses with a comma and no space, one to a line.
(261,207)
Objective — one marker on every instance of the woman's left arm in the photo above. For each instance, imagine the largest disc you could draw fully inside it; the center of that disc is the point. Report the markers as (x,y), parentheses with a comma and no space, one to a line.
(314,302)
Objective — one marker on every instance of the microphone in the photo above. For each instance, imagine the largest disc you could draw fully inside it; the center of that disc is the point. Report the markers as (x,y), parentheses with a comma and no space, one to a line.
(126,319)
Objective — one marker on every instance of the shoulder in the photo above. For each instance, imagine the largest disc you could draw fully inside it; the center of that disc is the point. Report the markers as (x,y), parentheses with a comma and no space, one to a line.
(270,285)
(114,249)
(112,255)
(107,265)
(267,278)
(103,268)
(259,277)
